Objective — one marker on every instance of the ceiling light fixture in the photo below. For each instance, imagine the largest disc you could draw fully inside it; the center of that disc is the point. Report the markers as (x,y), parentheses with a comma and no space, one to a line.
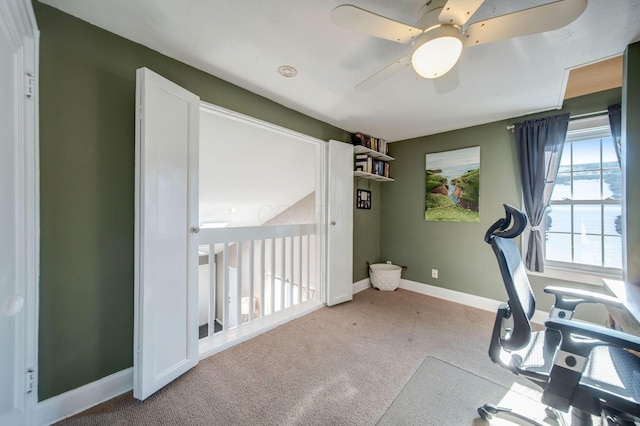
(287,71)
(437,50)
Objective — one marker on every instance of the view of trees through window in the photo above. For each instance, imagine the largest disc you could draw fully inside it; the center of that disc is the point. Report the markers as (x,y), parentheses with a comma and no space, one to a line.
(583,223)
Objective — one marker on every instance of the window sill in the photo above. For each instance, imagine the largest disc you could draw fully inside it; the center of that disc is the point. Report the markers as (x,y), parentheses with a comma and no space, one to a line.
(584,277)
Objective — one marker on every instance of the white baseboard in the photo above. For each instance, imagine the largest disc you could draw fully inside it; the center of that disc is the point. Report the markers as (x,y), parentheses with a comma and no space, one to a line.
(77,400)
(479,302)
(358,286)
(85,397)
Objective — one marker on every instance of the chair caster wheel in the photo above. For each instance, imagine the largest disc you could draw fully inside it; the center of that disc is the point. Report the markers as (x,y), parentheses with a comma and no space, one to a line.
(551,413)
(484,414)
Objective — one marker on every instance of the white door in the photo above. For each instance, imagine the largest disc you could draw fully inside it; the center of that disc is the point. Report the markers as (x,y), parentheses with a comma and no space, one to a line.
(18,211)
(340,228)
(166,267)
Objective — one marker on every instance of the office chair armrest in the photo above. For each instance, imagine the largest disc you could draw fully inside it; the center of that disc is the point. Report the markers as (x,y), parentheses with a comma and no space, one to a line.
(601,334)
(568,298)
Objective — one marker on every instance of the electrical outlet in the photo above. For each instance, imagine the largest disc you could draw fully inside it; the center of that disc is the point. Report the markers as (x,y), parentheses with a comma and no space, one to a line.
(434,273)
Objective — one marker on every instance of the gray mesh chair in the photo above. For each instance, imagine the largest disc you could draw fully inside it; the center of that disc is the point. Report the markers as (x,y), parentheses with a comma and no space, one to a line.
(580,367)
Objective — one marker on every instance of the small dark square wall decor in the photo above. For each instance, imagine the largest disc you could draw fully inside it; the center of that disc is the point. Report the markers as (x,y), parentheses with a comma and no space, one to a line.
(363,199)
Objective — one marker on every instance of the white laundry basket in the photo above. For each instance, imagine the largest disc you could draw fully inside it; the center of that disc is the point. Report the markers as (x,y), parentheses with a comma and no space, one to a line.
(385,276)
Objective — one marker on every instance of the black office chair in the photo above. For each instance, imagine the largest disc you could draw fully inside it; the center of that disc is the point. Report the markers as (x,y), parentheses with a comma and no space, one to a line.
(579,366)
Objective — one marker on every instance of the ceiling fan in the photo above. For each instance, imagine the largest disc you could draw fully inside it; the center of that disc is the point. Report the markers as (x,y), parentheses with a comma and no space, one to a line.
(440,35)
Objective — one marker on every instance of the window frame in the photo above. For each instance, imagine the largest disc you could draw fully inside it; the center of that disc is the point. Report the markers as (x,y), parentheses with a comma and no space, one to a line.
(594,127)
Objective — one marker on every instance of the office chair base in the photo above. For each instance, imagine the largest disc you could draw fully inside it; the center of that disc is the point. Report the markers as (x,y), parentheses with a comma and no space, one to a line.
(487,411)
(616,418)
(580,418)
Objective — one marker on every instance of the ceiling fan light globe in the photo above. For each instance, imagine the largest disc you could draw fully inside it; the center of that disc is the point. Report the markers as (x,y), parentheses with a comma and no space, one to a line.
(437,51)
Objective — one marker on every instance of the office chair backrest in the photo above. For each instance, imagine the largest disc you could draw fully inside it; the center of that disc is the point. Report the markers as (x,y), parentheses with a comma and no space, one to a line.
(522,302)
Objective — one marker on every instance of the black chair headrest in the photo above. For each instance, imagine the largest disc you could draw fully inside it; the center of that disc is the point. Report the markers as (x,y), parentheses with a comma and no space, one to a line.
(514,222)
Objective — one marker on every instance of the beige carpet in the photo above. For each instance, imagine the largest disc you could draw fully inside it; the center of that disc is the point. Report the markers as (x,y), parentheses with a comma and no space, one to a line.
(341,365)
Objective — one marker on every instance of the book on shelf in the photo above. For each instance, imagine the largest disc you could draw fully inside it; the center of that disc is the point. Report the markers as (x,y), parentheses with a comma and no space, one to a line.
(376,144)
(364,165)
(361,166)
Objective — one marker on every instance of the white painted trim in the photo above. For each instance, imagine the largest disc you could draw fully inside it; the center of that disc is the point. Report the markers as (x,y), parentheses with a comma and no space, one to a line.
(479,302)
(573,275)
(361,285)
(80,399)
(256,122)
(221,341)
(77,400)
(20,30)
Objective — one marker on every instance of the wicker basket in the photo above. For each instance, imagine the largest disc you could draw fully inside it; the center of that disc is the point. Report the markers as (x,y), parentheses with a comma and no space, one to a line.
(385,276)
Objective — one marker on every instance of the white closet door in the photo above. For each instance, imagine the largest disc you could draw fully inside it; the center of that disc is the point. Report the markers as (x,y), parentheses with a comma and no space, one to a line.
(12,289)
(166,277)
(18,212)
(340,227)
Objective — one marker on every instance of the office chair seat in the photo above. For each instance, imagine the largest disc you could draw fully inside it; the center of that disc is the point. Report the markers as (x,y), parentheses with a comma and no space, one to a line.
(613,375)
(535,360)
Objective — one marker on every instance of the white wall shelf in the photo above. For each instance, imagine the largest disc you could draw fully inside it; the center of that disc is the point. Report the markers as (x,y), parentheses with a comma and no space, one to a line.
(359,149)
(377,155)
(371,176)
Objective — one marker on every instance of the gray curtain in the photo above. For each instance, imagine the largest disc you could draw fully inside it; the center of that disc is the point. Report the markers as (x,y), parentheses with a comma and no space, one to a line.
(615,122)
(539,144)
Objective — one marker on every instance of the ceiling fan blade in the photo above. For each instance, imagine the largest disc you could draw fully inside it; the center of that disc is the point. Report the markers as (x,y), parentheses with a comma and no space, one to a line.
(459,11)
(529,21)
(353,17)
(385,73)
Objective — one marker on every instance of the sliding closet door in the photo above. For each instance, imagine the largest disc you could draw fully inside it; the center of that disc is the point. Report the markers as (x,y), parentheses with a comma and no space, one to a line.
(166,275)
(340,228)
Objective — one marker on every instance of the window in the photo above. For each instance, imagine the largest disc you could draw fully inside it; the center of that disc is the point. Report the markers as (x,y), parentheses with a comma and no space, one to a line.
(583,226)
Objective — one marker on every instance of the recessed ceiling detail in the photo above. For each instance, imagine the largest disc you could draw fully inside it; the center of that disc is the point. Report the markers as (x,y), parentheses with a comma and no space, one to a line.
(287,71)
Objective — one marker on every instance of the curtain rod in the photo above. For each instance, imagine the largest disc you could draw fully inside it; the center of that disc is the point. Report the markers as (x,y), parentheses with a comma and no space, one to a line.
(575,117)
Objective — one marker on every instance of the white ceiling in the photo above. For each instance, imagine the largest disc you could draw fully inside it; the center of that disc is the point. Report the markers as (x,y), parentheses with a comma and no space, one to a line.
(244,42)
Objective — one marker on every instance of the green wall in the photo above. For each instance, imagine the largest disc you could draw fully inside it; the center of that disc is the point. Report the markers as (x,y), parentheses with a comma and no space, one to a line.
(87,97)
(366,229)
(465,262)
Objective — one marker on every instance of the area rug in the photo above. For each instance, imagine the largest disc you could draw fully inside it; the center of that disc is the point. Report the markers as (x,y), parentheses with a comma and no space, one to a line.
(440,393)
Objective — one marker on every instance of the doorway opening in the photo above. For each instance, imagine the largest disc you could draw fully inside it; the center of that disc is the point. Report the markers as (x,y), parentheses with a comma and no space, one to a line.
(260,210)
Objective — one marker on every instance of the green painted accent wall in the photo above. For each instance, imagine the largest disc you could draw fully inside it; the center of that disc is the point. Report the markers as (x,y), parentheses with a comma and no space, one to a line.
(87,131)
(465,262)
(366,229)
(631,148)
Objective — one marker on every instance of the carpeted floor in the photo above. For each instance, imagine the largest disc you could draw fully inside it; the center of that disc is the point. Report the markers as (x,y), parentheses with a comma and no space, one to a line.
(340,365)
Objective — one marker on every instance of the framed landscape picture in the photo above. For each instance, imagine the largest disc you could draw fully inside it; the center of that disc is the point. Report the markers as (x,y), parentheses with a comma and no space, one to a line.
(453,186)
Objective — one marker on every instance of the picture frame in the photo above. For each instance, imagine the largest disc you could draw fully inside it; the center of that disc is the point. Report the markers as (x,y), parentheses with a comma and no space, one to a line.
(363,199)
(452,186)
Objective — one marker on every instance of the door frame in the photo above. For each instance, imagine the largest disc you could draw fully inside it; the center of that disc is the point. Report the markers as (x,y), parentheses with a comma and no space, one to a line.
(21,31)
(210,347)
